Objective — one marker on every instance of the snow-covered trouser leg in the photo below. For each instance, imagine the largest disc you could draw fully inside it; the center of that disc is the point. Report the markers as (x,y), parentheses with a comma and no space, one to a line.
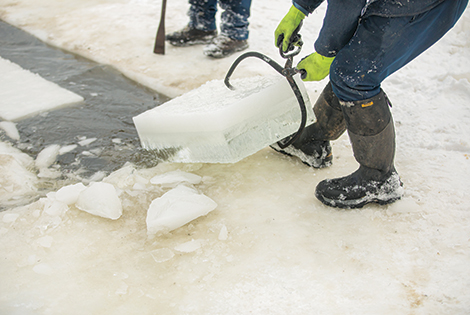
(234,19)
(372,135)
(313,146)
(202,14)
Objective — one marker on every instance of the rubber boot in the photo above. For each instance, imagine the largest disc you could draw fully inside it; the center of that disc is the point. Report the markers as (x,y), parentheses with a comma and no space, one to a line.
(372,135)
(313,146)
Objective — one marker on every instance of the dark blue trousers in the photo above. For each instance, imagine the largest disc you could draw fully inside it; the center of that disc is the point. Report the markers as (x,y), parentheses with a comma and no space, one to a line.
(234,19)
(383,45)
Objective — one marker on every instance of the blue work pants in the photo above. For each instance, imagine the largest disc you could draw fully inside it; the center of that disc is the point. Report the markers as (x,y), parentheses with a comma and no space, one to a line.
(234,19)
(383,45)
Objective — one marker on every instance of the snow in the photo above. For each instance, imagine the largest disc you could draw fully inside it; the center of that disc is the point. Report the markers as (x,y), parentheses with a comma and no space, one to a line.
(24,93)
(269,247)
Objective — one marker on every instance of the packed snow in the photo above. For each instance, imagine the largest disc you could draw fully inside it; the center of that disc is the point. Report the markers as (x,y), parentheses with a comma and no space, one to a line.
(259,242)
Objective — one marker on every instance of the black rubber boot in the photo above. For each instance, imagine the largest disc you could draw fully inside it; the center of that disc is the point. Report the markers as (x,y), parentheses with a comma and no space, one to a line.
(372,135)
(190,36)
(313,147)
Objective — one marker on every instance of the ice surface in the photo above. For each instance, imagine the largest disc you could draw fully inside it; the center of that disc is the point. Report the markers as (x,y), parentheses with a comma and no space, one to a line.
(176,208)
(175,177)
(100,199)
(24,93)
(213,124)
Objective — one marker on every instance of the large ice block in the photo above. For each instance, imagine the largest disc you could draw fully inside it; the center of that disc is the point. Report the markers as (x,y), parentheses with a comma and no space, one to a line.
(213,124)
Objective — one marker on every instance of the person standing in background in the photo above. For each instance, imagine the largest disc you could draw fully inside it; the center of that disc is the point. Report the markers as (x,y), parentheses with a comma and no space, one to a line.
(202,28)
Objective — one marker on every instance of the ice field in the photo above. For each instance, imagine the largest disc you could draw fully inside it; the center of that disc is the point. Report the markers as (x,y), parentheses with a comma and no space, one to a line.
(250,237)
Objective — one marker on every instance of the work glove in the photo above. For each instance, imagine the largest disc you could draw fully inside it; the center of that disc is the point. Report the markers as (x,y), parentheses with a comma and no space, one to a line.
(315,67)
(287,26)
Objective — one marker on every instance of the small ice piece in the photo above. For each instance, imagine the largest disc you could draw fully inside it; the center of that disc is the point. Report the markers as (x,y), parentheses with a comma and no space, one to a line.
(45,241)
(43,269)
(189,247)
(67,149)
(100,199)
(213,124)
(47,156)
(223,234)
(86,142)
(176,208)
(69,194)
(10,129)
(175,177)
(162,254)
(10,217)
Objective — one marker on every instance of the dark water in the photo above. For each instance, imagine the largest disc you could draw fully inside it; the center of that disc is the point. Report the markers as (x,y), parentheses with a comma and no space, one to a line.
(111,100)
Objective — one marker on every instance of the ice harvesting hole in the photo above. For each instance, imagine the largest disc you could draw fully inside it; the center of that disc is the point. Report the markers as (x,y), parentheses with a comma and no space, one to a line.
(96,135)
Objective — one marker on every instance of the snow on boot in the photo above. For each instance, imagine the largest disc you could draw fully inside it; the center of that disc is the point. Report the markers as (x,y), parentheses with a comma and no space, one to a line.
(372,135)
(190,36)
(223,46)
(360,188)
(313,146)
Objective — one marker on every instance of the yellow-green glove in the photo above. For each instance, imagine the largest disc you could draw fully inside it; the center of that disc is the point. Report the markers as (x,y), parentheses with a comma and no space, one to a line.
(287,26)
(316,67)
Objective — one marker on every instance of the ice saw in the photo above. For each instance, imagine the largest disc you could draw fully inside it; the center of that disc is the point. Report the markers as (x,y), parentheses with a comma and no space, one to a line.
(217,123)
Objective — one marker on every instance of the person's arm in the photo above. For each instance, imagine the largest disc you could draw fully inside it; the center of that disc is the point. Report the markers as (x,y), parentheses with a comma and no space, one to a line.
(339,25)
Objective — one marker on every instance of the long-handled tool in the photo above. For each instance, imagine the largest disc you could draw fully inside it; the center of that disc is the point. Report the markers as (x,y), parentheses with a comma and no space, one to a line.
(159,47)
(288,71)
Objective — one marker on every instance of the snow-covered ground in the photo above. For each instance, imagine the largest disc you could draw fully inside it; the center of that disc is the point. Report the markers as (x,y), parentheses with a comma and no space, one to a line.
(269,247)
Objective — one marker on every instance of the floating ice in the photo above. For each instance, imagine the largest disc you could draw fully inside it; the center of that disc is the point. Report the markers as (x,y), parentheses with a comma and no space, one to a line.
(175,177)
(10,129)
(176,208)
(24,93)
(47,156)
(67,149)
(100,199)
(213,124)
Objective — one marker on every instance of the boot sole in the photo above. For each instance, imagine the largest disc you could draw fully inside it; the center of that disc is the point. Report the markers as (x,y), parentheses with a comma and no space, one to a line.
(355,204)
(303,157)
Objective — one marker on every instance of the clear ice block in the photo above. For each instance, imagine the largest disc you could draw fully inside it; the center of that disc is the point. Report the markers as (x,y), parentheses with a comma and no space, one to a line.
(213,124)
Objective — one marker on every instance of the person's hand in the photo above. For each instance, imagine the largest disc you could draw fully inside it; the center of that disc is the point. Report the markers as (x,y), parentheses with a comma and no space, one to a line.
(287,26)
(315,67)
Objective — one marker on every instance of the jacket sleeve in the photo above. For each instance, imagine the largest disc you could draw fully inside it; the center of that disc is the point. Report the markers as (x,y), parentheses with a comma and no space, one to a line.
(307,6)
(339,25)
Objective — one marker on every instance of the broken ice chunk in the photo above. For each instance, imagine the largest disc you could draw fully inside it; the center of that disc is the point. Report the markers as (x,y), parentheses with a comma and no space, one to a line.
(69,194)
(189,247)
(47,156)
(174,178)
(100,199)
(176,208)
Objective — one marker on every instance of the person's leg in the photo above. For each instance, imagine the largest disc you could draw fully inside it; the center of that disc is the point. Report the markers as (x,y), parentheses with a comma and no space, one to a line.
(202,14)
(201,28)
(383,45)
(233,29)
(234,23)
(379,47)
(313,146)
